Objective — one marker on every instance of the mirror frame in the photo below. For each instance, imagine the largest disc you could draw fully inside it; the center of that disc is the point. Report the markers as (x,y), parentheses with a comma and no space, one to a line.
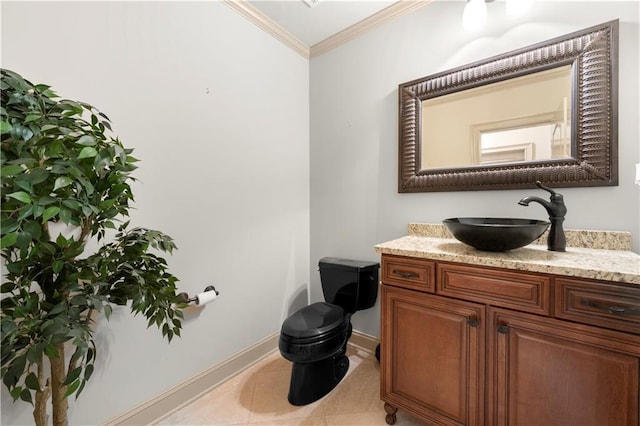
(593,54)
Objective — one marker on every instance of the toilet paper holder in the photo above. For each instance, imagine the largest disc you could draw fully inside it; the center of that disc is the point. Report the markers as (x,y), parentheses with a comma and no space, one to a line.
(184,297)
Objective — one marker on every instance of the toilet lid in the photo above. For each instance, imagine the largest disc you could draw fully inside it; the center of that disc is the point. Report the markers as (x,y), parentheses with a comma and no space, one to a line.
(314,320)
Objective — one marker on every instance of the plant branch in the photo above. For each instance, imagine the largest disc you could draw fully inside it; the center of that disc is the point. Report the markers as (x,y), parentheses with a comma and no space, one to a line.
(42,396)
(58,389)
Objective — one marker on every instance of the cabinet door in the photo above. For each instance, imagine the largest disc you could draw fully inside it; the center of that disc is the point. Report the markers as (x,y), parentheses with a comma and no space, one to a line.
(543,371)
(432,360)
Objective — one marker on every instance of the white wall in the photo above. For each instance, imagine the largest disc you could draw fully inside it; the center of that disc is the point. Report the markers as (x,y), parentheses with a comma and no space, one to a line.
(218,111)
(354,127)
(227,172)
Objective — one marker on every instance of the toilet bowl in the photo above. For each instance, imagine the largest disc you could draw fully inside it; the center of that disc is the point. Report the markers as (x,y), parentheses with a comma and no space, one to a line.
(315,337)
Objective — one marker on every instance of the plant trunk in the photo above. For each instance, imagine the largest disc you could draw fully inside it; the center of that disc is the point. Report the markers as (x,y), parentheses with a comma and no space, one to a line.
(58,376)
(42,396)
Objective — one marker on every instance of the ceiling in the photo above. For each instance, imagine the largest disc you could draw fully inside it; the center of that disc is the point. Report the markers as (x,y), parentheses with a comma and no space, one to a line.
(325,18)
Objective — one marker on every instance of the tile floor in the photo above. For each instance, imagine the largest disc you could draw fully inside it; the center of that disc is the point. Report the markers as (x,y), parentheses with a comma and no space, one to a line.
(258,396)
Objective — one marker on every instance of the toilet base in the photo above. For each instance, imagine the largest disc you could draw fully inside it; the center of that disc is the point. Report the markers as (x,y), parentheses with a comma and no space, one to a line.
(311,381)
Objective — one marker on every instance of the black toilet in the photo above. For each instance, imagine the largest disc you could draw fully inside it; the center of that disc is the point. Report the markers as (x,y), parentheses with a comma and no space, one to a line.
(315,337)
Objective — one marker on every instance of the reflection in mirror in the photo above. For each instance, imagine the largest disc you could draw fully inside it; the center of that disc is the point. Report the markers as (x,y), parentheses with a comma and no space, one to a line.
(546,112)
(526,118)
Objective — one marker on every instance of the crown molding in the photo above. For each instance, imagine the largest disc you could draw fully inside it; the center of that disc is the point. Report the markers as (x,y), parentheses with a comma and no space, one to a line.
(267,24)
(396,10)
(402,7)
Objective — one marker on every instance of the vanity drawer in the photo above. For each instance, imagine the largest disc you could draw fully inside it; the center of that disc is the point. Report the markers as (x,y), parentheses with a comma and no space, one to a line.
(408,272)
(514,290)
(607,305)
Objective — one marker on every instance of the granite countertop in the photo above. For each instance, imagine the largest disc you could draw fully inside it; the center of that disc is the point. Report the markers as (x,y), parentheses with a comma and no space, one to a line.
(597,255)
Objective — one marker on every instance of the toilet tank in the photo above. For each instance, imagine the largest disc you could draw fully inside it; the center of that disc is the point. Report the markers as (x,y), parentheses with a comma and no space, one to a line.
(350,284)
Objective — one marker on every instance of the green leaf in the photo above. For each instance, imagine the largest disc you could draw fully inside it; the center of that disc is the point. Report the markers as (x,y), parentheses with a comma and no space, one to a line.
(8,240)
(25,395)
(10,170)
(66,216)
(49,213)
(37,211)
(60,307)
(33,228)
(61,182)
(51,351)
(5,127)
(32,117)
(31,381)
(34,355)
(72,376)
(46,200)
(87,152)
(62,241)
(20,196)
(72,388)
(7,287)
(107,311)
(72,204)
(37,176)
(15,392)
(57,266)
(24,184)
(48,247)
(87,140)
(88,371)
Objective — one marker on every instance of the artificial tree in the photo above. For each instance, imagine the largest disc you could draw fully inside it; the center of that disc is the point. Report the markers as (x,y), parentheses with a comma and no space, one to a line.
(60,165)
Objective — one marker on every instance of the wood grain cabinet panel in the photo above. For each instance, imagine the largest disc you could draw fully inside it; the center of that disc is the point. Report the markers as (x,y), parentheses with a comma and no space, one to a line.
(519,290)
(409,272)
(505,347)
(609,305)
(432,359)
(548,372)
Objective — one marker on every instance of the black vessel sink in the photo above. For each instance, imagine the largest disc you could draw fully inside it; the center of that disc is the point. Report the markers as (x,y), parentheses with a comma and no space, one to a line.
(495,234)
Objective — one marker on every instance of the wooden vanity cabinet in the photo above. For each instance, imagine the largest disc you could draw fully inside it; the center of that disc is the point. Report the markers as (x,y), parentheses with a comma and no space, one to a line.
(432,352)
(472,345)
(543,371)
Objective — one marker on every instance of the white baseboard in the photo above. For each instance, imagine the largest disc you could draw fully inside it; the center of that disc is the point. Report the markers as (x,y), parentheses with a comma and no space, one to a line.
(364,341)
(191,389)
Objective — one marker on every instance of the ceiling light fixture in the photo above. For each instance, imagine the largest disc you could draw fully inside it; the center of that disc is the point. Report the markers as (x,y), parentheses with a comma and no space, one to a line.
(475,12)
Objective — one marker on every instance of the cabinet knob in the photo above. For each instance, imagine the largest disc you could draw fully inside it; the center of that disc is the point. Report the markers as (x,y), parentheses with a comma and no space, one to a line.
(503,328)
(473,322)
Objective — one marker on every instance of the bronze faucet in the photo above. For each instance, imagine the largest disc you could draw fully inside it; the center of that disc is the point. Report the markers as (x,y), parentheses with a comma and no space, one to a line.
(557,211)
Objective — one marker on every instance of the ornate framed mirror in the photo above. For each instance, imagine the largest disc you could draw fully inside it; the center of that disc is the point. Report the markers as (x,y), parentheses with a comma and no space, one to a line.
(547,112)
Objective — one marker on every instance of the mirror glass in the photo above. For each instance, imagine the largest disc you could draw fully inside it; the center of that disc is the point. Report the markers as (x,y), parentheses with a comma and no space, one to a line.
(546,112)
(526,118)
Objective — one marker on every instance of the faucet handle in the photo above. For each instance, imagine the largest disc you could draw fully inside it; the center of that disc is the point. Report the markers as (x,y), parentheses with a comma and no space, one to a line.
(546,188)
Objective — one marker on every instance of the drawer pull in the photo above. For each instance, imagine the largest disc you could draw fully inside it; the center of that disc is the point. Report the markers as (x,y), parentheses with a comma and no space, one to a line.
(616,310)
(405,274)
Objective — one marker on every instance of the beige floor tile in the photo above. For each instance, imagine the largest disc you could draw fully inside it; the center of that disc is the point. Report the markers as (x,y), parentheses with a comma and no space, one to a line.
(227,404)
(307,421)
(258,396)
(371,419)
(359,391)
(406,419)
(357,419)
(272,362)
(270,402)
